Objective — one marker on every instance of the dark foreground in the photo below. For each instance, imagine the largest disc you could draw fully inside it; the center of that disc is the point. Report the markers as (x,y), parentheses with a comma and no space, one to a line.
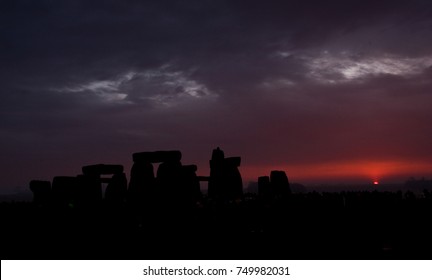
(357,225)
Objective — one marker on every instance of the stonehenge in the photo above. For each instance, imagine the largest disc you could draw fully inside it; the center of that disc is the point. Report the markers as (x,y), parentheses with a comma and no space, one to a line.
(225,180)
(156,178)
(274,186)
(41,192)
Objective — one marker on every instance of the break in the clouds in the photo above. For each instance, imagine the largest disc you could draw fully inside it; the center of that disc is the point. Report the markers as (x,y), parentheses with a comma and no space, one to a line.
(305,86)
(160,87)
(348,67)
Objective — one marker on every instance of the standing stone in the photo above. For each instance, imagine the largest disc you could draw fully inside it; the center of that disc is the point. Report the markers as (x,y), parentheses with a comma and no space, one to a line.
(279,182)
(157,157)
(102,169)
(64,191)
(89,192)
(189,185)
(142,183)
(41,192)
(168,179)
(225,181)
(116,191)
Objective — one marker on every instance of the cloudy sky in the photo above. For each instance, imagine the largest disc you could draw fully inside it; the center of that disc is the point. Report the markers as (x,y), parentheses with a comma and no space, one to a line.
(325,90)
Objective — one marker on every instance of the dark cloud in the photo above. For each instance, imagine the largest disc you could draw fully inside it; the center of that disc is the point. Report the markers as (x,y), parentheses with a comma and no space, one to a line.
(278,82)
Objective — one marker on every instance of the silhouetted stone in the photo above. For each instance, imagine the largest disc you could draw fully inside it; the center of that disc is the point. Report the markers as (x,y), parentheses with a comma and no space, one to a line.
(174,185)
(217,155)
(102,169)
(41,192)
(233,161)
(192,168)
(64,191)
(279,182)
(233,178)
(90,190)
(168,175)
(142,182)
(225,179)
(189,186)
(157,157)
(116,190)
(216,181)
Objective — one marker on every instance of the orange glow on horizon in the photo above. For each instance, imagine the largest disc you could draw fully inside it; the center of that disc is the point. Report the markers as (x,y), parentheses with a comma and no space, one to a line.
(365,170)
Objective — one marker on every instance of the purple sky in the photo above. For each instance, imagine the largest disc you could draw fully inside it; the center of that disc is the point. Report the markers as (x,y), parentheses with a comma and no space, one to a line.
(325,90)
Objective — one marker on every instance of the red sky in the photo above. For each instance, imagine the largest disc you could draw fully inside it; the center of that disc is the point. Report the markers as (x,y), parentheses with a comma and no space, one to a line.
(351,172)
